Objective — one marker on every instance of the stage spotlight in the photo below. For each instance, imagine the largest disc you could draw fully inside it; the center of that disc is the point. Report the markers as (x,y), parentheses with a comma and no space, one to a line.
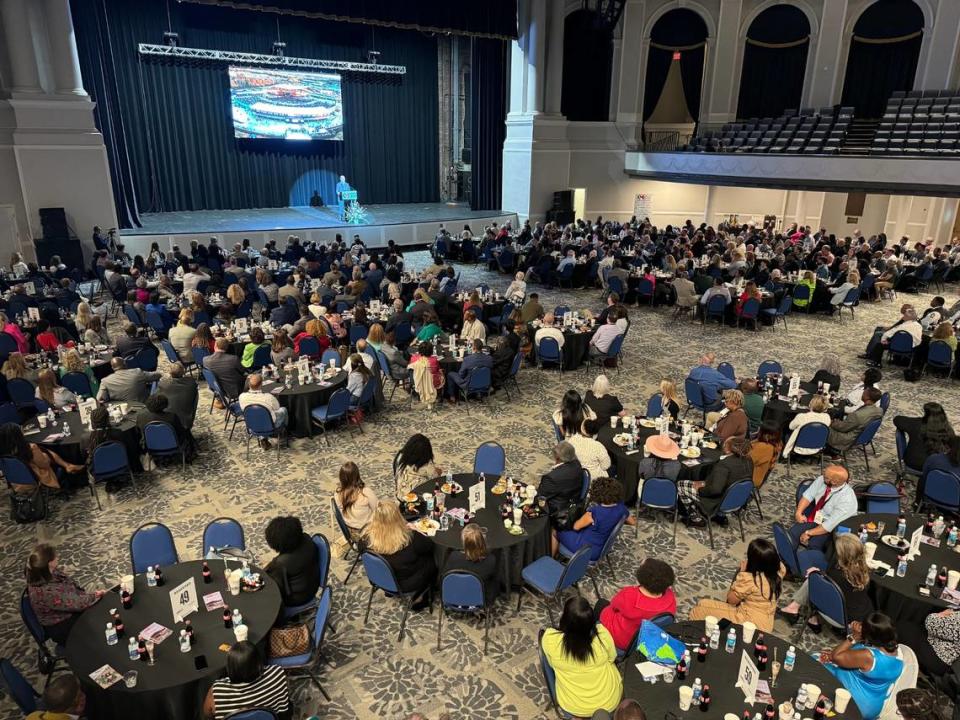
(278,48)
(373,56)
(171,39)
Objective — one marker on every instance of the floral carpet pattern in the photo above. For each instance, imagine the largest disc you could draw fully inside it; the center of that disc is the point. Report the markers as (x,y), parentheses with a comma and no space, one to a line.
(368,674)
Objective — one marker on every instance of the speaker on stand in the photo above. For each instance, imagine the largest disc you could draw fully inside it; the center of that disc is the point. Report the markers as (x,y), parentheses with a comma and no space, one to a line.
(58,239)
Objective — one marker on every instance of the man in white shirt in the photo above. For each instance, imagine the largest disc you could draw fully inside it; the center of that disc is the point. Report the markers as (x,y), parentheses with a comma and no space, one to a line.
(717,289)
(193,278)
(908,324)
(826,503)
(255,396)
(364,355)
(548,331)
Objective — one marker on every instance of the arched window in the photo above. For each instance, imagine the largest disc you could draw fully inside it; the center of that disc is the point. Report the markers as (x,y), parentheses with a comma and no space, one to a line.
(883,56)
(587,63)
(774,62)
(678,36)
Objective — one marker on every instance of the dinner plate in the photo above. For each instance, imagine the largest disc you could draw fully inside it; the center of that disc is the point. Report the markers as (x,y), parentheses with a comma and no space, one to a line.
(710,445)
(411,497)
(895,542)
(690,452)
(621,439)
(647,423)
(451,487)
(427,525)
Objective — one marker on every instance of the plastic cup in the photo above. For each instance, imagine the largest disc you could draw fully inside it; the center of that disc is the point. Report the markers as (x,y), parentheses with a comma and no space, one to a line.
(126,583)
(813,696)
(869,550)
(953,579)
(130,678)
(428,501)
(710,622)
(240,632)
(841,698)
(42,419)
(234,585)
(748,630)
(613,421)
(686,697)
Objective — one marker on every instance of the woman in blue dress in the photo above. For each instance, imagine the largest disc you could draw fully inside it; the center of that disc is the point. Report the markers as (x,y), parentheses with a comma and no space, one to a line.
(595,525)
(866,663)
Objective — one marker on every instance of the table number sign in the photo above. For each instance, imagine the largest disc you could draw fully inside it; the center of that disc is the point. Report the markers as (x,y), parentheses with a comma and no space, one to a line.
(33,313)
(794,390)
(183,599)
(30,289)
(272,265)
(241,325)
(303,367)
(747,678)
(314,283)
(915,542)
(478,498)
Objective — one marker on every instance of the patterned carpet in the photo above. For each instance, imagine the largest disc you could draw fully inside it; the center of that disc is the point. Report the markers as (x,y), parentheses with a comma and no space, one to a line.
(369,675)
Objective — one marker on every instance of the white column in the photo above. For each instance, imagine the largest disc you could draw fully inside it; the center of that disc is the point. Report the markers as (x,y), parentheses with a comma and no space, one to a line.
(518,78)
(612,110)
(938,73)
(720,105)
(64,60)
(17,34)
(536,56)
(633,62)
(554,58)
(827,61)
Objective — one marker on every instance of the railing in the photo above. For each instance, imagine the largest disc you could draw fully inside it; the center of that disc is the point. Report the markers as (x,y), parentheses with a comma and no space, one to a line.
(662,141)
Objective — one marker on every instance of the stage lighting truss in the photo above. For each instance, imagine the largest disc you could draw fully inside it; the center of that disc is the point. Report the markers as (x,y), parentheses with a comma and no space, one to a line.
(226,56)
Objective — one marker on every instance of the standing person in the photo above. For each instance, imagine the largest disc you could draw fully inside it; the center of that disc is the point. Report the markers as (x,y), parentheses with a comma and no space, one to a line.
(57,600)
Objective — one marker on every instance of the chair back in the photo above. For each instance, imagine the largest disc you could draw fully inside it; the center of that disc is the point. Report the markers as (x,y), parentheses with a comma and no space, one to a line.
(379,572)
(223,532)
(557,433)
(152,544)
(515,365)
(323,556)
(358,332)
(383,363)
(17,472)
(750,309)
(109,458)
(786,302)
(812,436)
(694,393)
(259,421)
(489,459)
(132,315)
(736,496)
(615,285)
(21,391)
(253,714)
(939,354)
(310,347)
(786,550)
(159,436)
(801,292)
(211,381)
(717,305)
(341,523)
(942,489)
(611,539)
(261,356)
(616,345)
(663,620)
(769,366)
(145,359)
(548,350)
(575,568)
(644,288)
(883,497)
(655,406)
(885,401)
(901,343)
(659,493)
(199,353)
(461,590)
(169,351)
(802,488)
(726,369)
(403,334)
(852,297)
(78,383)
(322,618)
(560,310)
(8,413)
(479,380)
(18,688)
(156,322)
(339,403)
(827,599)
(328,355)
(549,675)
(30,619)
(585,484)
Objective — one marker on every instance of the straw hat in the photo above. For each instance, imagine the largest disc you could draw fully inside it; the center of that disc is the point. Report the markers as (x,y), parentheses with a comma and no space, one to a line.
(662,446)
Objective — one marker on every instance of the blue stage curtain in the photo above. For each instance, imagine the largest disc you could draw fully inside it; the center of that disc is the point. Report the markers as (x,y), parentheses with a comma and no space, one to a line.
(587,59)
(177,120)
(482,18)
(488,112)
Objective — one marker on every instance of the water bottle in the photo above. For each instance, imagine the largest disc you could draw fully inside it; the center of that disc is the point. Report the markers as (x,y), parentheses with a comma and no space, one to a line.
(952,536)
(697,689)
(938,526)
(66,429)
(133,650)
(902,527)
(51,418)
(731,641)
(864,536)
(715,639)
(901,566)
(111,634)
(791,658)
(931,576)
(801,697)
(450,478)
(444,522)
(237,617)
(151,577)
(246,570)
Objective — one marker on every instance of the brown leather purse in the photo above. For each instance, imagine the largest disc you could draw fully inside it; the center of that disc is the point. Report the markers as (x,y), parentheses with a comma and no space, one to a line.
(288,641)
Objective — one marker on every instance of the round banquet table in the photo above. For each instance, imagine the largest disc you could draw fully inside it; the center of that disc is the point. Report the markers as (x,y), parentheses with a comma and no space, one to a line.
(576,346)
(895,596)
(719,671)
(450,362)
(172,687)
(299,400)
(73,449)
(513,552)
(627,461)
(778,413)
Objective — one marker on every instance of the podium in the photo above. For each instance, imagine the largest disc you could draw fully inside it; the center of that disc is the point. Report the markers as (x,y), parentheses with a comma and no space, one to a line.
(347,198)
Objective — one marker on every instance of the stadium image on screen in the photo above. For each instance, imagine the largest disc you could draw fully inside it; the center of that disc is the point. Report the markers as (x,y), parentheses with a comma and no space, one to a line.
(270,103)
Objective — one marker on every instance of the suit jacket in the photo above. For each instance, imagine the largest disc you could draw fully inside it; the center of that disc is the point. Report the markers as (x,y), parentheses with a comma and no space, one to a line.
(127,346)
(145,417)
(182,396)
(724,474)
(561,485)
(471,361)
(843,433)
(398,318)
(228,371)
(127,385)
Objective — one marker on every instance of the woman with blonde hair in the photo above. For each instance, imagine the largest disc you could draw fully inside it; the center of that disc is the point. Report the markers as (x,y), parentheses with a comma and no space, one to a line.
(945,333)
(96,333)
(517,290)
(181,335)
(850,572)
(235,294)
(73,363)
(355,500)
(669,399)
(376,337)
(315,329)
(15,366)
(51,392)
(83,315)
(603,403)
(476,559)
(316,306)
(473,301)
(409,554)
(817,413)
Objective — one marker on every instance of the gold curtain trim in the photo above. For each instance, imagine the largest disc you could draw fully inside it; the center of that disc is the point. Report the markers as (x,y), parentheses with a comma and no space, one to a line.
(888,41)
(241,5)
(671,48)
(778,46)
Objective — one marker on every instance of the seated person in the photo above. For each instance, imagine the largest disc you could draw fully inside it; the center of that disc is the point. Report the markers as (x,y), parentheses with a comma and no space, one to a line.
(669,400)
(764,451)
(408,553)
(547,330)
(255,395)
(62,699)
(826,503)
(256,342)
(295,568)
(573,411)
(866,662)
(53,394)
(605,335)
(476,559)
(752,401)
(563,483)
(732,421)
(697,495)
(711,380)
(816,413)
(948,461)
(755,591)
(156,410)
(936,643)
(849,571)
(45,338)
(927,435)
(829,372)
(595,525)
(424,351)
(181,393)
(45,464)
(415,464)
(660,461)
(473,328)
(603,403)
(592,454)
(881,338)
(355,500)
(651,596)
(56,598)
(249,685)
(844,432)
(476,358)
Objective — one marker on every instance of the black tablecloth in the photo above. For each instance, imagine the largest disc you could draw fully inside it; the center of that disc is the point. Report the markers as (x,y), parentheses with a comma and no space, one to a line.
(450,362)
(627,464)
(299,400)
(576,346)
(719,671)
(513,551)
(898,597)
(173,687)
(778,413)
(73,449)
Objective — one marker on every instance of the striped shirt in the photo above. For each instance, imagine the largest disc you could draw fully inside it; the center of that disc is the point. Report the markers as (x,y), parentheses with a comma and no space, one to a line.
(268,691)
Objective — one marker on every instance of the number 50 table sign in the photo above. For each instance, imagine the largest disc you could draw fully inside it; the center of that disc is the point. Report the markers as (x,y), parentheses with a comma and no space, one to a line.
(183,599)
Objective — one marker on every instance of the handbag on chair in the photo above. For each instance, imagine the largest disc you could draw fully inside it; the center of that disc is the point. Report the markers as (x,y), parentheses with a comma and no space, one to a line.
(288,641)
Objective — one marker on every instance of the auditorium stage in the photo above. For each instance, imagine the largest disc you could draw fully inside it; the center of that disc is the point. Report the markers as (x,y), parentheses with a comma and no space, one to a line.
(408,224)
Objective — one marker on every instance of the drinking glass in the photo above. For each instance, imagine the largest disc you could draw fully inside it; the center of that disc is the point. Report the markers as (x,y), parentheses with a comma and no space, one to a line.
(880,526)
(774,672)
(130,678)
(150,647)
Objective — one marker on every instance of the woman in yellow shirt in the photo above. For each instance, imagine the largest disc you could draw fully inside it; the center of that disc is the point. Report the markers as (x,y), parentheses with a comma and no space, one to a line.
(581,653)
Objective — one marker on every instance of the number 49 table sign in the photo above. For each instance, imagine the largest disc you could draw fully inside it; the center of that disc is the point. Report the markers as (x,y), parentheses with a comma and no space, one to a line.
(183,599)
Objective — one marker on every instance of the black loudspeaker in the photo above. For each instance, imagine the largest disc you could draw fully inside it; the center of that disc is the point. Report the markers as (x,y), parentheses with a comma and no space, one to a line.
(563,200)
(561,217)
(54,223)
(69,250)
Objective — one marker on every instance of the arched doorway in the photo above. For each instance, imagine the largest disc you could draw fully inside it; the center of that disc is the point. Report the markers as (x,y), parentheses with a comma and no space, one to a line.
(587,61)
(883,56)
(774,62)
(680,36)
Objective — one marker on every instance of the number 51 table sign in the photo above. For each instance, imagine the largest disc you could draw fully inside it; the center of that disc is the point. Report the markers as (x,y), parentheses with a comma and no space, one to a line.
(183,599)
